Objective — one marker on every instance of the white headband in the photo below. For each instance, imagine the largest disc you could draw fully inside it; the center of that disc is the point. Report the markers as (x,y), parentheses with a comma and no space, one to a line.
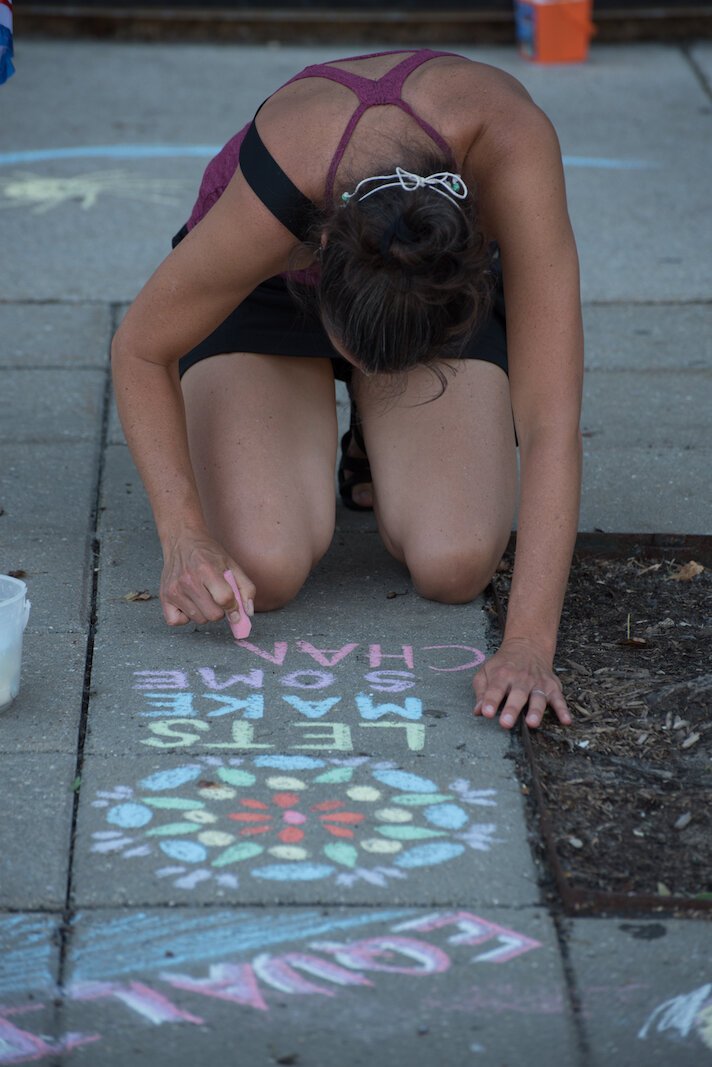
(445,182)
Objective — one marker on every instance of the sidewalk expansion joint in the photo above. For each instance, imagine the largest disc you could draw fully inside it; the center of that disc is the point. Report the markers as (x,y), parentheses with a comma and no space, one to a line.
(89,658)
(697,71)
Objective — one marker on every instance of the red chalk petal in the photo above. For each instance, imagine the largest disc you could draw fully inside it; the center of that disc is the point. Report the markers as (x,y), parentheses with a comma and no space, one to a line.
(245,816)
(344,816)
(290,835)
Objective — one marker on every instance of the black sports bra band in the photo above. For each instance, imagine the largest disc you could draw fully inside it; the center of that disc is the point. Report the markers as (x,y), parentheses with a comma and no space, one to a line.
(271,185)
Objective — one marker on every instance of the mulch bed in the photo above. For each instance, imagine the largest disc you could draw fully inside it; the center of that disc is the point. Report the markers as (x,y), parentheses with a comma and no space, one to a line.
(627,789)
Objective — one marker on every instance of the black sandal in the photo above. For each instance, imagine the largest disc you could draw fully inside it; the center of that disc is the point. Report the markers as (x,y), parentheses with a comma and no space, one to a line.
(353,470)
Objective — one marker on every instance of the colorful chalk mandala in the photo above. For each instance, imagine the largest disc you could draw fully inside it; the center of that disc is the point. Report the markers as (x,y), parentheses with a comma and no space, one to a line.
(291,818)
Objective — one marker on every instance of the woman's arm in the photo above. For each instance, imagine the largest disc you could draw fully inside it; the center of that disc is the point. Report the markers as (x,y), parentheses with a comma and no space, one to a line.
(236,245)
(524,205)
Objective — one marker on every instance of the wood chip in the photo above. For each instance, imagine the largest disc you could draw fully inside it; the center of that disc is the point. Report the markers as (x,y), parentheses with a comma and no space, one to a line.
(576,842)
(683,821)
(663,890)
(687,572)
(690,741)
(143,595)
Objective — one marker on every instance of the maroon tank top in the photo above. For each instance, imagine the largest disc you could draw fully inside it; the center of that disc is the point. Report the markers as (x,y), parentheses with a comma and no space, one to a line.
(370,92)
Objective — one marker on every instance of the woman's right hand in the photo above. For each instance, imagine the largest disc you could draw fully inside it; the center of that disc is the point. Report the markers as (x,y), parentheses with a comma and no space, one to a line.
(192,585)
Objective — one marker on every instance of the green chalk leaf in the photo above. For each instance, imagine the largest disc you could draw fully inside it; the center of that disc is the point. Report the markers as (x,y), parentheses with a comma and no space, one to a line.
(341,853)
(409,833)
(338,774)
(173,802)
(236,853)
(233,776)
(173,828)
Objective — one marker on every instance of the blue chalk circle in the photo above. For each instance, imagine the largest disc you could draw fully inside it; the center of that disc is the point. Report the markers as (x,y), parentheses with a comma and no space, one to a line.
(186,851)
(172,779)
(410,783)
(293,872)
(289,763)
(129,816)
(428,855)
(449,816)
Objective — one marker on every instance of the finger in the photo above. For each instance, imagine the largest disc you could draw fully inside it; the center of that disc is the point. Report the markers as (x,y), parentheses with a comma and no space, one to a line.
(561,708)
(515,702)
(492,699)
(247,590)
(479,684)
(537,707)
(192,594)
(174,616)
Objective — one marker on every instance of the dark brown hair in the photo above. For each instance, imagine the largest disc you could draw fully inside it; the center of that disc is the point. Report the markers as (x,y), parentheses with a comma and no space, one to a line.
(405,275)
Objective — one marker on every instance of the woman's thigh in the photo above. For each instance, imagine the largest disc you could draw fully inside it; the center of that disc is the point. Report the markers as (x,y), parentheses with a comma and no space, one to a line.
(262,437)
(444,473)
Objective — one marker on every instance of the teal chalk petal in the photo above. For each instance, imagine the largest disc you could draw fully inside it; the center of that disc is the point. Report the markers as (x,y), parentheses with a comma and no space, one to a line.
(180,803)
(339,774)
(409,833)
(172,828)
(246,850)
(413,783)
(341,853)
(428,855)
(235,777)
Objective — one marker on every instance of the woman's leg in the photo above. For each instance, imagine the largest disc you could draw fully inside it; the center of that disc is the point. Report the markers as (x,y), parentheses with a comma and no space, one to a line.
(262,434)
(444,474)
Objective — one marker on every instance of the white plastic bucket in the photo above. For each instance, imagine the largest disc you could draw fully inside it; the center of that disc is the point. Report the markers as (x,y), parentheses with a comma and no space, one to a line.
(14,612)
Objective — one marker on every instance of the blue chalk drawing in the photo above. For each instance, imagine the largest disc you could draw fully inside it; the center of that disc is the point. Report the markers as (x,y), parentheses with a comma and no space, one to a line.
(200,151)
(293,872)
(129,816)
(173,779)
(430,854)
(28,952)
(186,851)
(135,943)
(111,151)
(289,763)
(403,780)
(448,815)
(287,818)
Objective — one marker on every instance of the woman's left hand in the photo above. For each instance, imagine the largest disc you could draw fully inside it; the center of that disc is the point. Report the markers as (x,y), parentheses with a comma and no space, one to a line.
(523,674)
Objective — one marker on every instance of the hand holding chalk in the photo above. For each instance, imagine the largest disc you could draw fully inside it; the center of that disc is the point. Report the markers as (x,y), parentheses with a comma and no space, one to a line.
(243,626)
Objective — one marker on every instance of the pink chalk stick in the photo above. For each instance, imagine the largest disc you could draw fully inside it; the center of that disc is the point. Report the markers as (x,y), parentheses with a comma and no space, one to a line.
(243,627)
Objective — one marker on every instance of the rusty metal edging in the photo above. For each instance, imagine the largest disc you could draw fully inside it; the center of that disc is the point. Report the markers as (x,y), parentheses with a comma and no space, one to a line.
(591,901)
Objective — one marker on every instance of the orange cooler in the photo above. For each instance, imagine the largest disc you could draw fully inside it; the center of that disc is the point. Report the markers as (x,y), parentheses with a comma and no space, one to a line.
(554,31)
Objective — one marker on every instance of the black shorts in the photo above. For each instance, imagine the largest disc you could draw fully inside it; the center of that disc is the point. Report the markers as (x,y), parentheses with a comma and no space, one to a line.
(269,322)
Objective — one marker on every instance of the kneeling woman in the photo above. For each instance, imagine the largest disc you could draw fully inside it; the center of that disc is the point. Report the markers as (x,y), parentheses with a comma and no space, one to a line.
(402,197)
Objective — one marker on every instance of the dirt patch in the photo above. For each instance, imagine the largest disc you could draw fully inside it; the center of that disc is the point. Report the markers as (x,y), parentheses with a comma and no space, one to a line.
(627,789)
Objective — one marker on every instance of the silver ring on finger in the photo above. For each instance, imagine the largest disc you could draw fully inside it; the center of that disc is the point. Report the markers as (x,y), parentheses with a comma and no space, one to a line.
(545,695)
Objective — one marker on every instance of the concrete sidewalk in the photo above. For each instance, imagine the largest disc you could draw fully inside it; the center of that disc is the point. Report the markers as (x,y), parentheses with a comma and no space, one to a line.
(303,849)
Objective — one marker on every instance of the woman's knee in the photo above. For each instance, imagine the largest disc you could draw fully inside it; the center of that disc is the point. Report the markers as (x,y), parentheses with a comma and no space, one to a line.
(279,569)
(452,573)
